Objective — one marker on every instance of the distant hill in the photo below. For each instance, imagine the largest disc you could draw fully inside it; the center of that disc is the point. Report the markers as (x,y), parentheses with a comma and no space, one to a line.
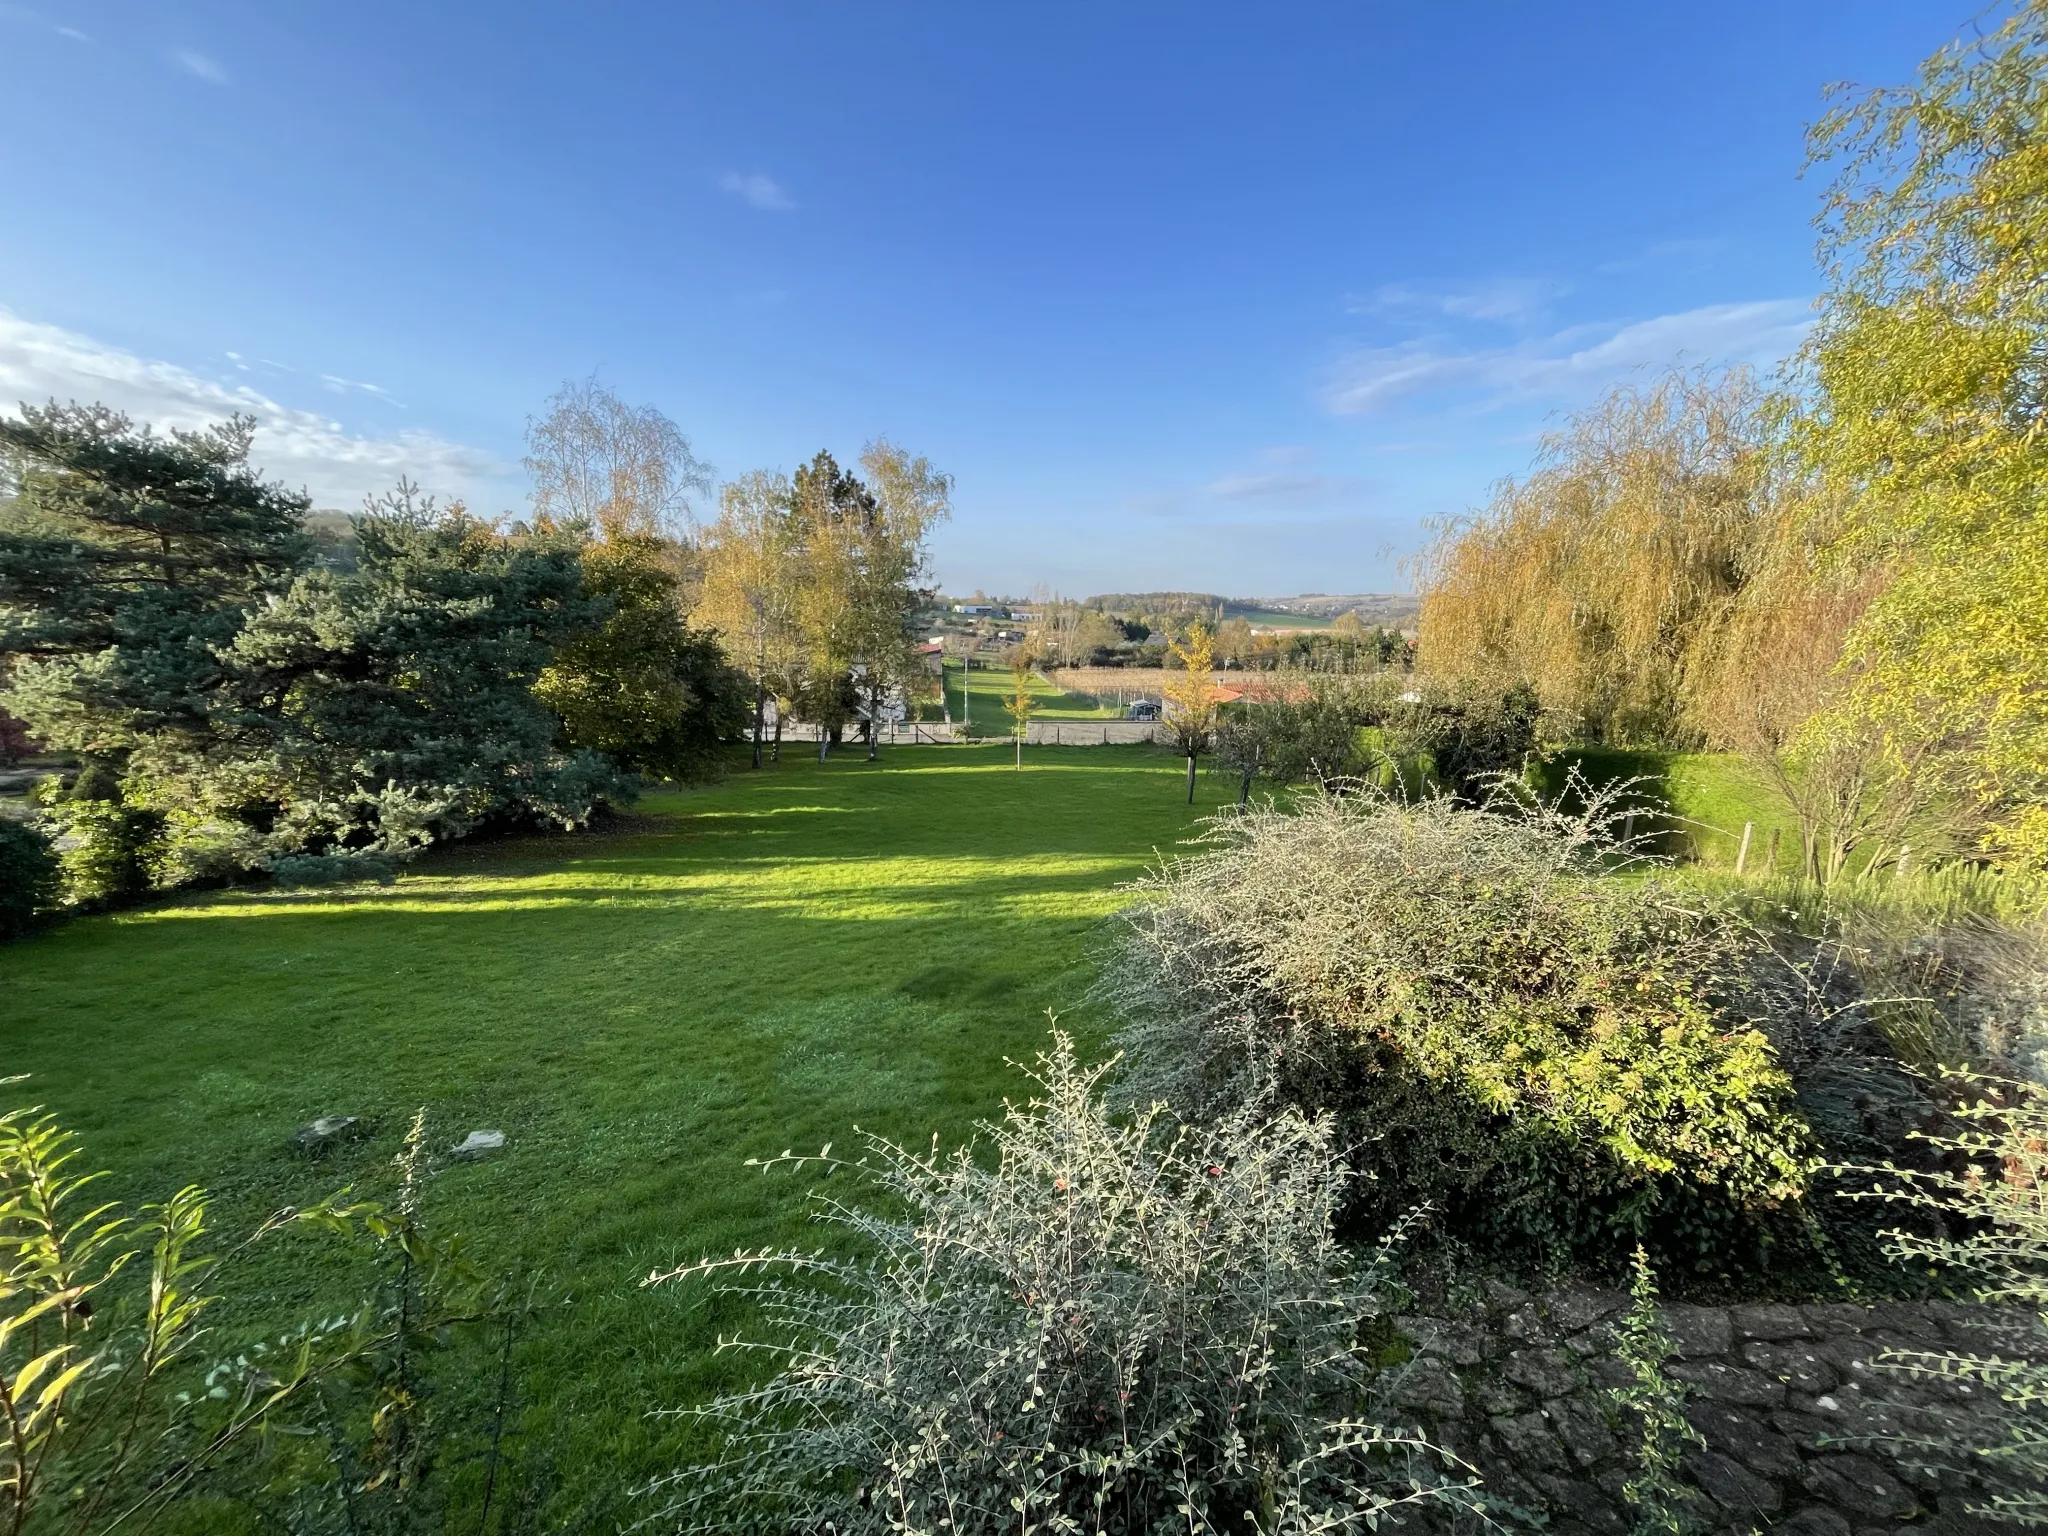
(1390,608)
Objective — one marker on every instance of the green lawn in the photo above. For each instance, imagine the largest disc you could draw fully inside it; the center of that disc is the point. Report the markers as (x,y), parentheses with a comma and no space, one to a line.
(760,965)
(990,695)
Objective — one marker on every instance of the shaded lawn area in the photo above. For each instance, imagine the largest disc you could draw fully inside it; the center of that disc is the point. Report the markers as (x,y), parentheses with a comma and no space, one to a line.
(759,965)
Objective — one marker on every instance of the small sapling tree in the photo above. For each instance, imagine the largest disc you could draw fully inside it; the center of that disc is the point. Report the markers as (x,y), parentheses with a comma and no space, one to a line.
(1023,703)
(1191,699)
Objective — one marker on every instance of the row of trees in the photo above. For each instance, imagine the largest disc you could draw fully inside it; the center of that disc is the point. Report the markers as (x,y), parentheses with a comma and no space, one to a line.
(1845,576)
(240,696)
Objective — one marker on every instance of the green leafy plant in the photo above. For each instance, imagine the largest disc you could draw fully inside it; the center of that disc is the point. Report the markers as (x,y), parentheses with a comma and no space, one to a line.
(1995,1191)
(85,1402)
(1100,1324)
(1560,1056)
(29,878)
(1653,1404)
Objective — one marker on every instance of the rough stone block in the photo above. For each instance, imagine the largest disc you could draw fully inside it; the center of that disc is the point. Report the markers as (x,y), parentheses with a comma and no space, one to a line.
(1835,1317)
(1748,1439)
(1583,1429)
(1529,1442)
(1574,1311)
(1860,1484)
(1733,1486)
(1429,1386)
(1582,1502)
(1495,1397)
(1768,1322)
(1800,1366)
(1813,1520)
(1724,1383)
(1546,1372)
(1700,1331)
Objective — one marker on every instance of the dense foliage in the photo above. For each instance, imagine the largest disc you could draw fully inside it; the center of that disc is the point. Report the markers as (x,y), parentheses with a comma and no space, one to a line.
(1553,1058)
(651,692)
(28,877)
(238,706)
(1103,1325)
(813,581)
(1922,408)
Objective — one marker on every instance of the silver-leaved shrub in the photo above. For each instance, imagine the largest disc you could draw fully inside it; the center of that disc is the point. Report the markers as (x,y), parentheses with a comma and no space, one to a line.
(1094,1324)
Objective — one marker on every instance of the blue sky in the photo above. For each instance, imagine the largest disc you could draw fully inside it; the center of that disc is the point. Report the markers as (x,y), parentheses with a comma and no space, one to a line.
(1224,298)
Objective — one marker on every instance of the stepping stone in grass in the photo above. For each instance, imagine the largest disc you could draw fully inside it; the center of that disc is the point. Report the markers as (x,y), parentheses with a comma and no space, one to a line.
(326,1133)
(480,1143)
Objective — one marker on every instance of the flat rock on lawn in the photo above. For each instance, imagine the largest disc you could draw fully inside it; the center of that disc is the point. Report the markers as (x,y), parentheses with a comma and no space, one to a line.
(328,1131)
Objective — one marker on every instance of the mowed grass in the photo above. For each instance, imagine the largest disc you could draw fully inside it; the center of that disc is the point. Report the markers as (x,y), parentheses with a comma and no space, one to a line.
(763,964)
(990,692)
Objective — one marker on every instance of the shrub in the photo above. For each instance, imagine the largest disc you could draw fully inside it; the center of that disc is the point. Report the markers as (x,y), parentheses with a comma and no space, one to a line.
(1556,1058)
(1119,1326)
(107,849)
(1996,1190)
(28,878)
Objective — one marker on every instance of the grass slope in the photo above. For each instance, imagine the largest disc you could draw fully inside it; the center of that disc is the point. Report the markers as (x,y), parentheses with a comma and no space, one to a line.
(759,965)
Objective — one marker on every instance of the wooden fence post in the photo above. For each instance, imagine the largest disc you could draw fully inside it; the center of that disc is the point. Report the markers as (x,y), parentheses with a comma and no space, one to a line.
(1742,853)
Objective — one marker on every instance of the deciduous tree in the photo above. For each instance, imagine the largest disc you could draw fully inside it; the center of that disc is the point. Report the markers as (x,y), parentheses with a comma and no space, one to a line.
(1191,699)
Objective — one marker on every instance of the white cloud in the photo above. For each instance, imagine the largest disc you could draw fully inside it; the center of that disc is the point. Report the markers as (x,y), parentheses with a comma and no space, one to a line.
(201,66)
(1511,299)
(757,191)
(1570,363)
(74,34)
(43,362)
(341,386)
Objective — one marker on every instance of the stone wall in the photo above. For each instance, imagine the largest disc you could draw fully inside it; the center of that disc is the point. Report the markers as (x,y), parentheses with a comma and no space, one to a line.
(1520,1387)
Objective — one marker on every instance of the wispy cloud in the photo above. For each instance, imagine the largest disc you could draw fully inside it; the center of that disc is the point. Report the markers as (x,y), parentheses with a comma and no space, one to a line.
(1282,488)
(757,191)
(1565,364)
(340,386)
(1508,299)
(29,16)
(201,66)
(44,362)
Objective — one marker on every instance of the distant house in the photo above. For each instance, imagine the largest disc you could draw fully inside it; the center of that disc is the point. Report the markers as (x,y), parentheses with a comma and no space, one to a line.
(1143,709)
(972,608)
(934,658)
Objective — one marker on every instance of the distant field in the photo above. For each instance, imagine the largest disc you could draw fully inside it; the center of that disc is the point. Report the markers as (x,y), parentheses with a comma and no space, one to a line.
(1265,620)
(764,964)
(991,691)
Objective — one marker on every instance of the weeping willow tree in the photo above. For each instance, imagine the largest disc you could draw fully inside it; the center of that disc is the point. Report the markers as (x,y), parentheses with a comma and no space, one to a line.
(1603,576)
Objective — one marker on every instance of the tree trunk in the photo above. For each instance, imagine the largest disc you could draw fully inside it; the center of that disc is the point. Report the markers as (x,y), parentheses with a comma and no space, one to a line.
(1191,778)
(760,715)
(874,722)
(1020,751)
(1244,791)
(776,756)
